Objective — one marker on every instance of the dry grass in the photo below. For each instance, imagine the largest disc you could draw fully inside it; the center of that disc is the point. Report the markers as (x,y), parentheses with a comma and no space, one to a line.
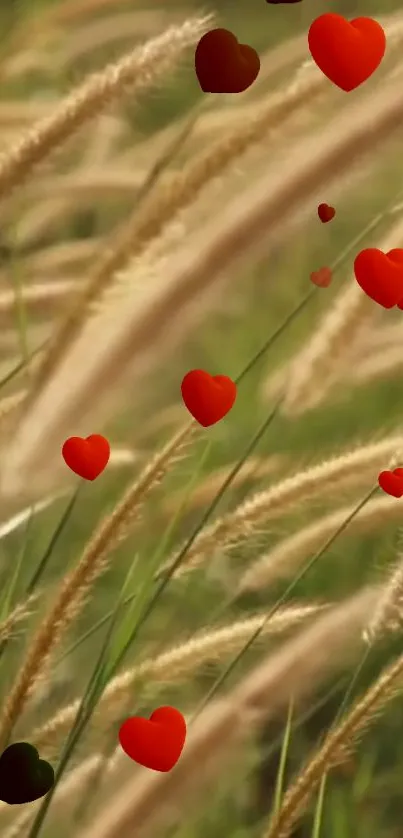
(147,230)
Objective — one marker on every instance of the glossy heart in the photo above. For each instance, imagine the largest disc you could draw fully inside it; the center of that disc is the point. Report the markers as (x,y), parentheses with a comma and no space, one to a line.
(380,275)
(392,482)
(86,457)
(326,213)
(208,398)
(156,742)
(23,776)
(347,52)
(223,65)
(321,278)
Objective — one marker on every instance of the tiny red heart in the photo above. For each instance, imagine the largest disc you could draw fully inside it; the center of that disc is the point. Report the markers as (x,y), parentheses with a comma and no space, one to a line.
(380,275)
(223,65)
(347,52)
(156,742)
(208,398)
(322,278)
(326,213)
(86,457)
(392,482)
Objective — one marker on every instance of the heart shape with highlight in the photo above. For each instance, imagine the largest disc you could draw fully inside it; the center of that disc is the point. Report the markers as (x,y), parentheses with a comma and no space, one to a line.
(223,65)
(86,457)
(208,398)
(156,742)
(347,52)
(380,275)
(392,482)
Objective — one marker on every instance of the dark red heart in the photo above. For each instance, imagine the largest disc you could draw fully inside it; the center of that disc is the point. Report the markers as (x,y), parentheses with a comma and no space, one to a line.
(208,398)
(392,482)
(156,742)
(326,213)
(223,65)
(380,275)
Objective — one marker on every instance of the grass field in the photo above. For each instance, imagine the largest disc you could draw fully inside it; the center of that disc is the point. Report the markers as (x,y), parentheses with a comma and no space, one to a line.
(248,574)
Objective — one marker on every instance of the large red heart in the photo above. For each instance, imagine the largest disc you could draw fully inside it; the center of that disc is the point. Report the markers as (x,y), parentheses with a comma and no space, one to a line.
(223,65)
(347,52)
(86,457)
(208,398)
(380,275)
(392,482)
(156,742)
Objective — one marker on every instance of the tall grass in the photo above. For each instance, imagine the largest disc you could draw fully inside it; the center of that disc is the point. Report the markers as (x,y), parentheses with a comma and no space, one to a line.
(250,573)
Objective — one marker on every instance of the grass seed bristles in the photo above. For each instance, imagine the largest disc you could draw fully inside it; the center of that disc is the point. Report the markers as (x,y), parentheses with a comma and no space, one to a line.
(349,314)
(174,664)
(138,70)
(224,725)
(289,553)
(337,748)
(388,614)
(76,584)
(19,614)
(345,470)
(165,202)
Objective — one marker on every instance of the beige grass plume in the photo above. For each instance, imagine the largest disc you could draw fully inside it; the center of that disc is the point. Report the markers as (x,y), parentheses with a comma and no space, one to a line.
(198,269)
(165,201)
(224,725)
(288,554)
(351,469)
(136,70)
(75,585)
(388,613)
(174,664)
(337,747)
(311,373)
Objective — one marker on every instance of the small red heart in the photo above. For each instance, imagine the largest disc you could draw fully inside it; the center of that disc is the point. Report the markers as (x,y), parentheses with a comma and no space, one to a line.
(86,457)
(156,742)
(380,275)
(208,398)
(347,52)
(392,482)
(326,213)
(223,65)
(322,278)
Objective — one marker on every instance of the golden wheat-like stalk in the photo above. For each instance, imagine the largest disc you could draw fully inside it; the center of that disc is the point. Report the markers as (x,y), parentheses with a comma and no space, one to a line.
(138,70)
(349,314)
(226,723)
(289,553)
(337,747)
(388,614)
(174,664)
(348,469)
(165,202)
(74,587)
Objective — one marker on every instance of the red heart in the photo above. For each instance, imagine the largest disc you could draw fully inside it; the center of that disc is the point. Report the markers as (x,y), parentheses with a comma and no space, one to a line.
(322,278)
(223,65)
(347,52)
(392,482)
(326,213)
(380,275)
(208,398)
(86,457)
(156,742)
